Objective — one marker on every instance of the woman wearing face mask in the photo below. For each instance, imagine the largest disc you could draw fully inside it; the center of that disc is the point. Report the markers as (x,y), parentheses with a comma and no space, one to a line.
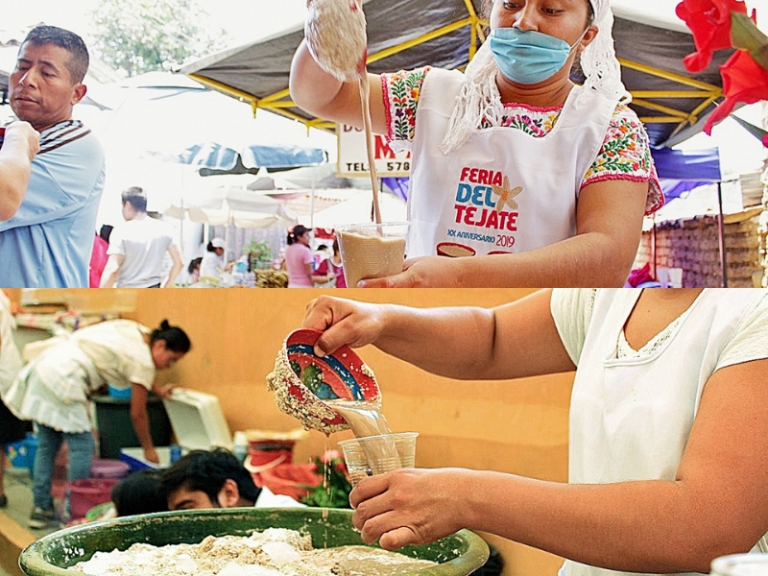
(544,182)
(54,391)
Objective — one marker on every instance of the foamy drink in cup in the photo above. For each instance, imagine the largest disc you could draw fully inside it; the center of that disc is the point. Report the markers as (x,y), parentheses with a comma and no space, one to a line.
(373,455)
(372,250)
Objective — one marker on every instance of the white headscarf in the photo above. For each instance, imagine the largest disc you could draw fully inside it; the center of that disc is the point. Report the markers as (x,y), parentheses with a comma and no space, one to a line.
(480,99)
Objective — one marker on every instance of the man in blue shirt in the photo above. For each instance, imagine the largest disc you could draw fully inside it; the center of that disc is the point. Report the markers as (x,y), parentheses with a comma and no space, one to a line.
(48,242)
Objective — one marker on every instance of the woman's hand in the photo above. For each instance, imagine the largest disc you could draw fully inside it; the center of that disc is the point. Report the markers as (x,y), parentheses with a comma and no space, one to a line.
(150,455)
(409,506)
(343,322)
(164,391)
(424,272)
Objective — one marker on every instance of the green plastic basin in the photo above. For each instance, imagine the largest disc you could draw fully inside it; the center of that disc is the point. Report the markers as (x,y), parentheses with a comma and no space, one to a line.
(53,555)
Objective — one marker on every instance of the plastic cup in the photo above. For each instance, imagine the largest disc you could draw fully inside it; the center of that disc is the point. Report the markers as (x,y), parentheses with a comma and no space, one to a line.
(371,250)
(378,454)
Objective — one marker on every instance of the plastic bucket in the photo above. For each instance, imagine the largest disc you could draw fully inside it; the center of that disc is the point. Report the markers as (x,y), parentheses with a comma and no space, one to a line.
(119,392)
(17,454)
(457,555)
(85,494)
(289,479)
(108,468)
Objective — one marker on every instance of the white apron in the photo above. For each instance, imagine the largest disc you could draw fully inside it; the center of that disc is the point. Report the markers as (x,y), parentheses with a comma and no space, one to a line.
(55,387)
(10,359)
(631,417)
(503,191)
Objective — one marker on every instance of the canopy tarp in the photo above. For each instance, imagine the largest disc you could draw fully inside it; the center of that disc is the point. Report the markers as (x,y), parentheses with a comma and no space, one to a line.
(683,170)
(412,33)
(234,205)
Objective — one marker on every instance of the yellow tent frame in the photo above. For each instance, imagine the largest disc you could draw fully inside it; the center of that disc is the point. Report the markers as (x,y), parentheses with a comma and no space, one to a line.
(281,103)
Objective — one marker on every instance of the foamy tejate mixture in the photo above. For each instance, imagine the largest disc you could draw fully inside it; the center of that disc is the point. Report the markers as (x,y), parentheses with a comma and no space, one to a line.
(273,552)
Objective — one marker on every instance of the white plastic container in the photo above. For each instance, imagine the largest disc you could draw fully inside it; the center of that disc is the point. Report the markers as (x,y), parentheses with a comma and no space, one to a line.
(197,420)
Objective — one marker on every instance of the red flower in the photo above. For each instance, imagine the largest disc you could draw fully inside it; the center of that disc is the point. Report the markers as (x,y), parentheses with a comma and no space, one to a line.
(330,455)
(743,81)
(710,22)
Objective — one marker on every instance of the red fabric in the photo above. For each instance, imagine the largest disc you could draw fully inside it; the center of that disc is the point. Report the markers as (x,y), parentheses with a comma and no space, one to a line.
(287,479)
(710,22)
(322,268)
(640,275)
(98,261)
(744,80)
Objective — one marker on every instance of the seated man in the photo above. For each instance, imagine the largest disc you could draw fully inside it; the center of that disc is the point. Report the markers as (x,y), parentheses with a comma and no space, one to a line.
(216,479)
(139,493)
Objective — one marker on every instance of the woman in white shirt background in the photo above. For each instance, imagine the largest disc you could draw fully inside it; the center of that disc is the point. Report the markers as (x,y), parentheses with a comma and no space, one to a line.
(54,388)
(213,261)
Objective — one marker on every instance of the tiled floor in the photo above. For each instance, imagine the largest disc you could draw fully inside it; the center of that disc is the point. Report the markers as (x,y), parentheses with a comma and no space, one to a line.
(18,488)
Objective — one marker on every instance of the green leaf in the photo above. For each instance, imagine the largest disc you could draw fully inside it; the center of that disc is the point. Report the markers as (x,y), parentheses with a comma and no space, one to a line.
(746,36)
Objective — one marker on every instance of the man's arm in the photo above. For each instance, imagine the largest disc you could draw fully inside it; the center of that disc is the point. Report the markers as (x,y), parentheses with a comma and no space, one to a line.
(20,145)
(109,276)
(178,265)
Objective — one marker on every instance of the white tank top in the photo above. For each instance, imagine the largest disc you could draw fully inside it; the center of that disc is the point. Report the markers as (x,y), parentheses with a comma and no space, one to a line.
(504,191)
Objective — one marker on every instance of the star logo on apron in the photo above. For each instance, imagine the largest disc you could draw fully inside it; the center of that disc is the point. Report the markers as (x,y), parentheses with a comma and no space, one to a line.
(506,195)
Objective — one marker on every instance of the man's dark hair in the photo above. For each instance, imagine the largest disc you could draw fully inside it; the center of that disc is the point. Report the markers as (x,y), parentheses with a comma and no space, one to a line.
(106,231)
(194,264)
(139,493)
(136,197)
(71,42)
(207,471)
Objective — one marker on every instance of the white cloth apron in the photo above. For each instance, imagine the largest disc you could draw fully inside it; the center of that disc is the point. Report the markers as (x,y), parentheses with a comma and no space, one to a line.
(10,359)
(631,418)
(54,388)
(504,191)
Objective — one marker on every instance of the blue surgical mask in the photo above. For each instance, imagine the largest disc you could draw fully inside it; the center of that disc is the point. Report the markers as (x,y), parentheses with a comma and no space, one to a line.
(528,57)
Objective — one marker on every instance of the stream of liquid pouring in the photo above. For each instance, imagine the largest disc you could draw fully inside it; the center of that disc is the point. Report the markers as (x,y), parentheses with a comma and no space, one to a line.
(366,419)
(365,93)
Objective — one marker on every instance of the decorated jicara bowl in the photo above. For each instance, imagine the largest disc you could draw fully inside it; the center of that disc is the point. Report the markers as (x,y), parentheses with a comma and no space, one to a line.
(304,383)
(56,554)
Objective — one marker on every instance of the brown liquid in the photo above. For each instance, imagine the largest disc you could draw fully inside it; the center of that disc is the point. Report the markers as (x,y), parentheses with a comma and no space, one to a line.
(370,255)
(366,420)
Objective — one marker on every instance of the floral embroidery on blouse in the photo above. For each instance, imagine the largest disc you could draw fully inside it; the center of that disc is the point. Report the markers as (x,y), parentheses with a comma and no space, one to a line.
(625,154)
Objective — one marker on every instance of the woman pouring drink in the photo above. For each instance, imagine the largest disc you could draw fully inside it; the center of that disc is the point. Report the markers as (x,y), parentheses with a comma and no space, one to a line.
(668,424)
(543,182)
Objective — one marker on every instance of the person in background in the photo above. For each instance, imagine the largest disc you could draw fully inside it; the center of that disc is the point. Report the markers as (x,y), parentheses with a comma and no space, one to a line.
(216,479)
(519,176)
(193,270)
(213,262)
(323,275)
(668,424)
(19,144)
(99,255)
(299,260)
(11,428)
(54,388)
(137,248)
(47,243)
(336,265)
(139,493)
